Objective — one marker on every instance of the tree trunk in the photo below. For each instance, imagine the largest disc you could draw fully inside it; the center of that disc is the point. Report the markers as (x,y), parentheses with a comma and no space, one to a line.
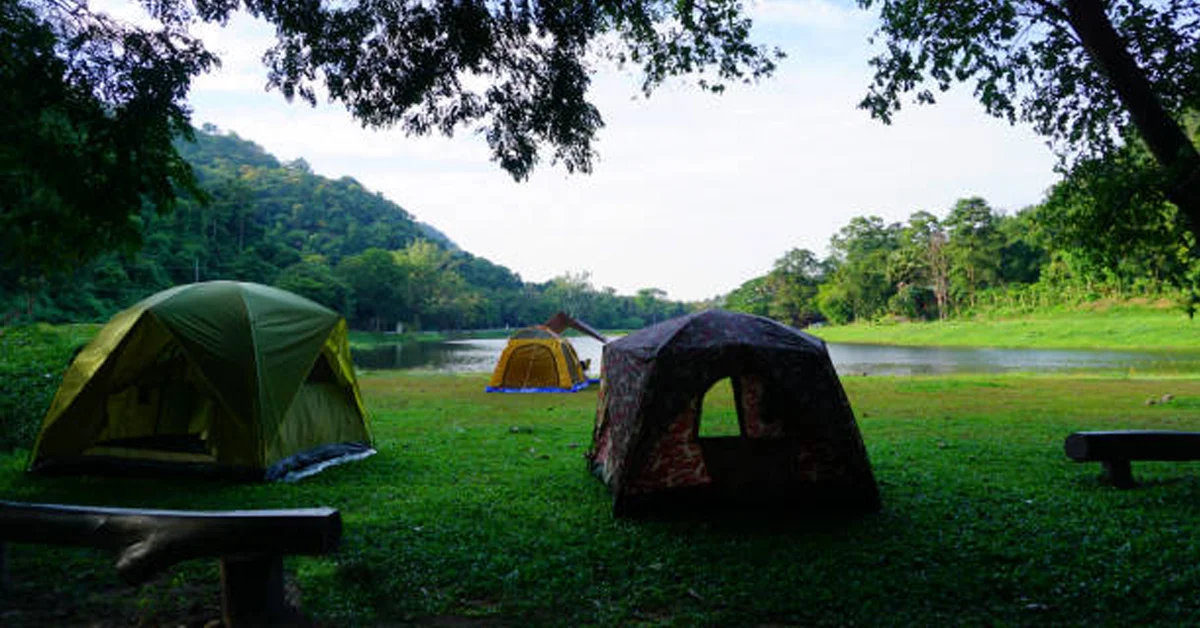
(1166,140)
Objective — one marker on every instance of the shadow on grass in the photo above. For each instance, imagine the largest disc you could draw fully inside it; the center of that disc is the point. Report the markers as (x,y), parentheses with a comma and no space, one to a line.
(748,517)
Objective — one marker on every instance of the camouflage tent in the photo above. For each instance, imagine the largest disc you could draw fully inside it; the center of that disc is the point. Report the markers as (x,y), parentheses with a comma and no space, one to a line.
(799,445)
(225,377)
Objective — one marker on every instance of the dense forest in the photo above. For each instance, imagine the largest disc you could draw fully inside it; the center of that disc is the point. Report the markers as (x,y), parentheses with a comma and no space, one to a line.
(1101,232)
(261,220)
(257,219)
(99,206)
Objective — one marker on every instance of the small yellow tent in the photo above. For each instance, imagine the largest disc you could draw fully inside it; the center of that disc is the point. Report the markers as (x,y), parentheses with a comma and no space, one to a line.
(537,359)
(217,376)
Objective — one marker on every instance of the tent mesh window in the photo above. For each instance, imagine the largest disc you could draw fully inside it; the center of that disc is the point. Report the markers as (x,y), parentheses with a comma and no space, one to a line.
(321,372)
(322,375)
(531,366)
(161,410)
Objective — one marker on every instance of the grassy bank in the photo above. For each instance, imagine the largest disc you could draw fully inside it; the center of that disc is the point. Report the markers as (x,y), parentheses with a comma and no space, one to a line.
(1096,327)
(479,508)
(32,360)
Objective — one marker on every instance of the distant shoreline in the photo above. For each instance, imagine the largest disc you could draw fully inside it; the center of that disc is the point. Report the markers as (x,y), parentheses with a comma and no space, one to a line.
(1128,327)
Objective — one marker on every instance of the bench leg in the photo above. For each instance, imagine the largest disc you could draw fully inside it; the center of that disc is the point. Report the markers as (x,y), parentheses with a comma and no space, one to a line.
(252,592)
(1119,473)
(4,582)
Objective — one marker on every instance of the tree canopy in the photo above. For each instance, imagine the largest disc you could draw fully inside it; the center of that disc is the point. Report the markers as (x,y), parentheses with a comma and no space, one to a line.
(90,105)
(419,64)
(1089,75)
(89,110)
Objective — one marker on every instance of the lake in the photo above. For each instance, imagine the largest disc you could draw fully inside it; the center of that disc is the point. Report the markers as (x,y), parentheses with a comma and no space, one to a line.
(479,356)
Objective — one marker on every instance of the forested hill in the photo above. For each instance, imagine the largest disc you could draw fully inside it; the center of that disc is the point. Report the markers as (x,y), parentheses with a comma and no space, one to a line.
(259,199)
(331,240)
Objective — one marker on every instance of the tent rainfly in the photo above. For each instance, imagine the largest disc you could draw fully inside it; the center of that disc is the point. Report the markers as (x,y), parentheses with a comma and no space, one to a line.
(799,447)
(226,377)
(538,359)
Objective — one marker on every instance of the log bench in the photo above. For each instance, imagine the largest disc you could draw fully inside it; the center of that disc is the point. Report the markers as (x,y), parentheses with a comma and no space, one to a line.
(250,544)
(1115,450)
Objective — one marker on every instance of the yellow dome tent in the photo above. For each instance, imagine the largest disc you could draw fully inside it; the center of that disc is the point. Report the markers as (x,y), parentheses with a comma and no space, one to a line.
(538,359)
(218,376)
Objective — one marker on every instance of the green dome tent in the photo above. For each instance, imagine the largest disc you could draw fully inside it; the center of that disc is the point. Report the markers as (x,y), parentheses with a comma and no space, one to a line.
(219,376)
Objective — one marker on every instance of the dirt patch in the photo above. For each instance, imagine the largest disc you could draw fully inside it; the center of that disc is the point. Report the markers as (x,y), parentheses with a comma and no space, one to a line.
(1106,303)
(1101,305)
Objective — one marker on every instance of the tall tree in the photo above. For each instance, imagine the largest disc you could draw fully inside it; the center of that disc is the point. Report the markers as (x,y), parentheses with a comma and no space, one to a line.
(314,279)
(430,282)
(1024,251)
(379,285)
(89,108)
(793,283)
(1116,226)
(973,248)
(922,259)
(860,253)
(651,304)
(1083,72)
(752,297)
(572,293)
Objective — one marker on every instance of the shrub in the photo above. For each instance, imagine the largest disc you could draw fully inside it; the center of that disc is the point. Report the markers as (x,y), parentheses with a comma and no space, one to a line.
(835,304)
(913,303)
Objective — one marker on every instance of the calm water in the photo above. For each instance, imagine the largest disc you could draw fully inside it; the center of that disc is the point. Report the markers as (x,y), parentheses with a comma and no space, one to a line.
(479,356)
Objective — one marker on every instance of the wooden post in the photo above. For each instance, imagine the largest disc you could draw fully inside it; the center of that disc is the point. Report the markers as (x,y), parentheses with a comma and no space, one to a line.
(1119,473)
(1116,449)
(252,591)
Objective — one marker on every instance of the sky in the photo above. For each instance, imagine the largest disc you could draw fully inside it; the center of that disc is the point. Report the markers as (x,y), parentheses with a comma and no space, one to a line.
(692,193)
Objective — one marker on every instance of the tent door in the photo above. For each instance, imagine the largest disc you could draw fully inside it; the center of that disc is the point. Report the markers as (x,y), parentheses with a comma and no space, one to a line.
(531,366)
(753,461)
(161,415)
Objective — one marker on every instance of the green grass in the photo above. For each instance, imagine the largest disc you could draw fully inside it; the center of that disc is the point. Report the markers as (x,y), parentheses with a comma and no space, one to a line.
(31,367)
(1116,327)
(479,506)
(367,339)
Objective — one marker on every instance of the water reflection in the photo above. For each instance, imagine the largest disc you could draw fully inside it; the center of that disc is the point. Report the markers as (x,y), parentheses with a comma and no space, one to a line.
(480,356)
(452,357)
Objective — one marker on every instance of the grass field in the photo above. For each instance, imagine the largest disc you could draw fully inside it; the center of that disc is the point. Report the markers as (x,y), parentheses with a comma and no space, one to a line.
(478,510)
(1101,326)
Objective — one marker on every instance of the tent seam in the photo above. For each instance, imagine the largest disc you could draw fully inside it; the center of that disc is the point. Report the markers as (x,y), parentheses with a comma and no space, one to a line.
(258,401)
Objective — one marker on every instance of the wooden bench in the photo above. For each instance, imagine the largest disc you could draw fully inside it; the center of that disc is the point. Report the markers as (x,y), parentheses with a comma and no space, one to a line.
(1117,449)
(251,545)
